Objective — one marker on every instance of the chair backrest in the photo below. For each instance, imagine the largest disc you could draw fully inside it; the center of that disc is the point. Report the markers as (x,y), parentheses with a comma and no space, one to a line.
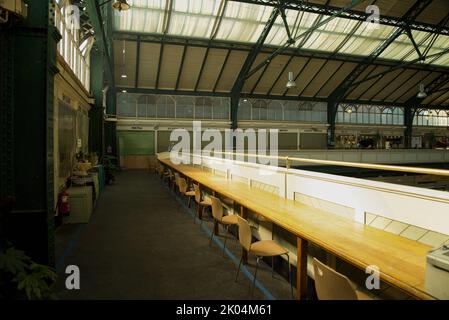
(331,285)
(177,178)
(182,185)
(245,235)
(217,208)
(197,193)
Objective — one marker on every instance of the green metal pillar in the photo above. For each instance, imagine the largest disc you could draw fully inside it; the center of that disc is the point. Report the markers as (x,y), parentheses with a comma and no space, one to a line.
(409,114)
(29,85)
(97,111)
(331,120)
(110,127)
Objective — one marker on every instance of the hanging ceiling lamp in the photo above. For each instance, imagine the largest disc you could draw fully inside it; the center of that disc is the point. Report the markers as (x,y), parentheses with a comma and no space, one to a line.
(121,5)
(291,82)
(422,91)
(350,109)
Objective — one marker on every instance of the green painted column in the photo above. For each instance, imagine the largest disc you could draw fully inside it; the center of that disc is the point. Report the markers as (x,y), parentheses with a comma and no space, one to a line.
(31,224)
(331,121)
(409,114)
(96,113)
(110,127)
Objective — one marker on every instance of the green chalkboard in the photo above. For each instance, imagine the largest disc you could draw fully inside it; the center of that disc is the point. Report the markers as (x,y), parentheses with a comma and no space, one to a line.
(136,143)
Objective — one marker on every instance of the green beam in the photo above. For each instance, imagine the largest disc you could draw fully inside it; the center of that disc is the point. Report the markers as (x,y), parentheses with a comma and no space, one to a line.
(101,17)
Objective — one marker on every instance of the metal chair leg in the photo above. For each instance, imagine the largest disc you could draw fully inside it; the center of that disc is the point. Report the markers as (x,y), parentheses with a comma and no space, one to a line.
(238,270)
(272,267)
(211,237)
(202,215)
(290,275)
(194,216)
(190,201)
(226,239)
(255,276)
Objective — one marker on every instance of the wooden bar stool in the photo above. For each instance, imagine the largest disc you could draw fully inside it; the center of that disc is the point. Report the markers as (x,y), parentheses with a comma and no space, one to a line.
(219,218)
(202,204)
(331,285)
(262,248)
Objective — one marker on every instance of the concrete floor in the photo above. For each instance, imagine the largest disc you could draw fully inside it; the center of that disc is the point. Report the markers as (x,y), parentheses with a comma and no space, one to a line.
(142,243)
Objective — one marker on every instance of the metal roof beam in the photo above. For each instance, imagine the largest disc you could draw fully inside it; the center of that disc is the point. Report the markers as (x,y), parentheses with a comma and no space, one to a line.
(295,52)
(306,33)
(238,85)
(307,6)
(411,14)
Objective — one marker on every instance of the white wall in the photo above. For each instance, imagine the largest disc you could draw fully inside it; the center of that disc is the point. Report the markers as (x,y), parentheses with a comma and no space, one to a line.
(425,208)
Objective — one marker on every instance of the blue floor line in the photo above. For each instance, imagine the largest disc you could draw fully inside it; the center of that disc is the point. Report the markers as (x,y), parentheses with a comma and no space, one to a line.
(68,250)
(208,231)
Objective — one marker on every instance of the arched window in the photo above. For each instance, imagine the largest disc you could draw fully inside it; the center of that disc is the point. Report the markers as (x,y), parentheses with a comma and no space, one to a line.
(398,116)
(305,111)
(142,106)
(184,106)
(340,114)
(220,108)
(275,110)
(291,111)
(165,107)
(375,115)
(151,106)
(319,112)
(387,116)
(259,111)
(126,105)
(244,111)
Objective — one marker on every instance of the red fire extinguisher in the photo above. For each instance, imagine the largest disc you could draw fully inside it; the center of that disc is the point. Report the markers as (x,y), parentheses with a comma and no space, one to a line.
(63,203)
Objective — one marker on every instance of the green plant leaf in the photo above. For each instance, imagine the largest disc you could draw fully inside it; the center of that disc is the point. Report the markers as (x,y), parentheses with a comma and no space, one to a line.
(13,261)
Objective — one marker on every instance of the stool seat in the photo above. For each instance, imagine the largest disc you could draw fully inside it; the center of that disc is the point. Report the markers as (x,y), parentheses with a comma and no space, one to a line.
(267,248)
(206,203)
(230,219)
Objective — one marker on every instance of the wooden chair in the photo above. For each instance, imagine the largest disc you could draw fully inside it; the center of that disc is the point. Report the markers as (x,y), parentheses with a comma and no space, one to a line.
(219,218)
(202,204)
(176,183)
(260,249)
(170,177)
(163,172)
(184,190)
(331,285)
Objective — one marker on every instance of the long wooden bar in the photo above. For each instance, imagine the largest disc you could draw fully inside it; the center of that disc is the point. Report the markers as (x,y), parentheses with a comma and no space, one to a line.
(401,261)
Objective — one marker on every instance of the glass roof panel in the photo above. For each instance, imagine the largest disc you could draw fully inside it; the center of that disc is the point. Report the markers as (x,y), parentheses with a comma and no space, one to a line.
(441,44)
(331,35)
(243,22)
(298,22)
(193,18)
(144,16)
(366,39)
(402,48)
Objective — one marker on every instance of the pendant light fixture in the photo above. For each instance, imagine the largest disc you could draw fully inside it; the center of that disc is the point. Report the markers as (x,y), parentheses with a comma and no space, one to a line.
(291,82)
(350,109)
(422,91)
(121,5)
